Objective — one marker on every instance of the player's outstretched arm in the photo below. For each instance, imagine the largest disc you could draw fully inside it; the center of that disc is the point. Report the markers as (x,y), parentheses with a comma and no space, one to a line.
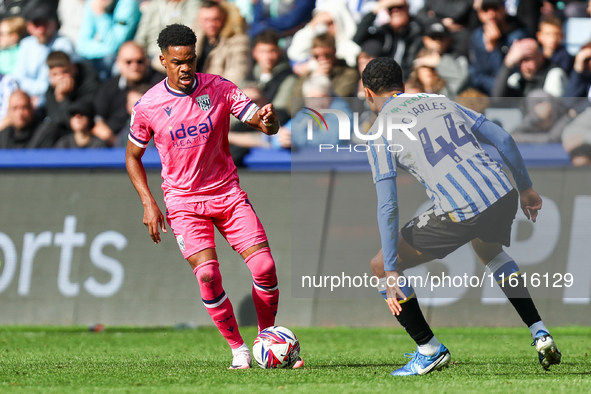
(153,218)
(265,120)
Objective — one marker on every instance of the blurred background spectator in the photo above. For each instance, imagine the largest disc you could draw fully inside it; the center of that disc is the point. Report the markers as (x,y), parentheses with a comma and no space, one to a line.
(81,122)
(31,70)
(222,47)
(343,78)
(576,139)
(490,42)
(437,55)
(533,71)
(272,74)
(69,82)
(111,98)
(12,31)
(26,128)
(400,38)
(333,19)
(106,24)
(579,84)
(156,16)
(134,95)
(550,37)
(544,119)
(21,7)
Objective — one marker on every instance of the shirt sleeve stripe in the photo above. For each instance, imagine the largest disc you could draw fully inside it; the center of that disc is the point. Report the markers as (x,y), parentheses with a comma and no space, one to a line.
(137,142)
(245,111)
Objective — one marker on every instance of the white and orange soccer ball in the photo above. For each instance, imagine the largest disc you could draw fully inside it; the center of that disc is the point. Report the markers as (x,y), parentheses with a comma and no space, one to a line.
(276,347)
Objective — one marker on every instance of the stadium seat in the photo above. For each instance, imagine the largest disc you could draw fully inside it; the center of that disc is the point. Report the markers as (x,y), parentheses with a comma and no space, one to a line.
(577,32)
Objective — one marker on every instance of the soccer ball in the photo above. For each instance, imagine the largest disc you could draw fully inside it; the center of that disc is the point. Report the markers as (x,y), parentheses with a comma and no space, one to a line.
(276,347)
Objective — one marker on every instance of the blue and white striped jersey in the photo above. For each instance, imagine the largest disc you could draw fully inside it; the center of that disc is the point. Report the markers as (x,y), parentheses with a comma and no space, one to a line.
(459,177)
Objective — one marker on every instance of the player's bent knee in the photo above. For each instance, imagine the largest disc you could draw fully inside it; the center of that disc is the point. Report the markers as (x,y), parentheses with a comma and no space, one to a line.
(208,272)
(262,266)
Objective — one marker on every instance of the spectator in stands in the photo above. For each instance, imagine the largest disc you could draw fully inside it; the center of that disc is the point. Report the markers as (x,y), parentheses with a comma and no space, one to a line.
(427,75)
(534,72)
(12,31)
(490,43)
(576,139)
(25,128)
(221,48)
(550,37)
(272,74)
(319,95)
(70,14)
(81,123)
(401,38)
(453,68)
(544,120)
(31,70)
(454,15)
(7,86)
(10,8)
(110,103)
(156,16)
(133,96)
(106,24)
(579,84)
(69,82)
(333,19)
(283,16)
(344,79)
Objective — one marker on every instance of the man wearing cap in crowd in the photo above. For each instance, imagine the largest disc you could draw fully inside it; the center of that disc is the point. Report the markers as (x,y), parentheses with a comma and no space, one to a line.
(31,71)
(81,124)
(453,67)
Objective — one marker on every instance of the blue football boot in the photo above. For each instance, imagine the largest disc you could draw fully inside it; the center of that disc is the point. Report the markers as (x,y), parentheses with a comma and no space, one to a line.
(422,365)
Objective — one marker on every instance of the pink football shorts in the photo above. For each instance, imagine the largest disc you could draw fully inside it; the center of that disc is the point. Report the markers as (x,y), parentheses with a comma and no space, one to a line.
(233,215)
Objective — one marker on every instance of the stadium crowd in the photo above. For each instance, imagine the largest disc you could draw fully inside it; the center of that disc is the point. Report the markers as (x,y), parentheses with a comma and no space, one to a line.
(71,70)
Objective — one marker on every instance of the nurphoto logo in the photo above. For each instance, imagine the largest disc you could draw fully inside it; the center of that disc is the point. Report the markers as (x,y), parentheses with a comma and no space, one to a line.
(385,126)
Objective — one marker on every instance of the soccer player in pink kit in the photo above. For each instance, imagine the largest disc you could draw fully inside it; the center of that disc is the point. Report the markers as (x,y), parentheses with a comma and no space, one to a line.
(188,115)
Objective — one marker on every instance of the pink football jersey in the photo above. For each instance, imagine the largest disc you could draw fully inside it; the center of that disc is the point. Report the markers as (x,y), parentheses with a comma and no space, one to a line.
(191,134)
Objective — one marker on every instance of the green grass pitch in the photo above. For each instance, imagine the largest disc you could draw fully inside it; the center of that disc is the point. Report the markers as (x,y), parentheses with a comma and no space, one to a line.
(338,360)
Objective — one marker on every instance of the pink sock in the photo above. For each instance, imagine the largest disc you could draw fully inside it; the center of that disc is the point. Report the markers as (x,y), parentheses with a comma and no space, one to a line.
(265,292)
(217,303)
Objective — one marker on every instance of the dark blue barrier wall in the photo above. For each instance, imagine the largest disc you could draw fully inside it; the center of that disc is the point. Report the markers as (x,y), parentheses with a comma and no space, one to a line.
(542,155)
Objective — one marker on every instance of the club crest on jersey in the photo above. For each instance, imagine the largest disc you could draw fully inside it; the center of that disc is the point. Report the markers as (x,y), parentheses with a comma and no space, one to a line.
(204,102)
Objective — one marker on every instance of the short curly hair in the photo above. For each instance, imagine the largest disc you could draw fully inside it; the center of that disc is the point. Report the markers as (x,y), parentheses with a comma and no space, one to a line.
(176,35)
(382,74)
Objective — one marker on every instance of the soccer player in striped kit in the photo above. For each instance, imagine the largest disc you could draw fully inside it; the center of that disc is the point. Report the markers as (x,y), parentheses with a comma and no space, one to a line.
(473,201)
(188,115)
